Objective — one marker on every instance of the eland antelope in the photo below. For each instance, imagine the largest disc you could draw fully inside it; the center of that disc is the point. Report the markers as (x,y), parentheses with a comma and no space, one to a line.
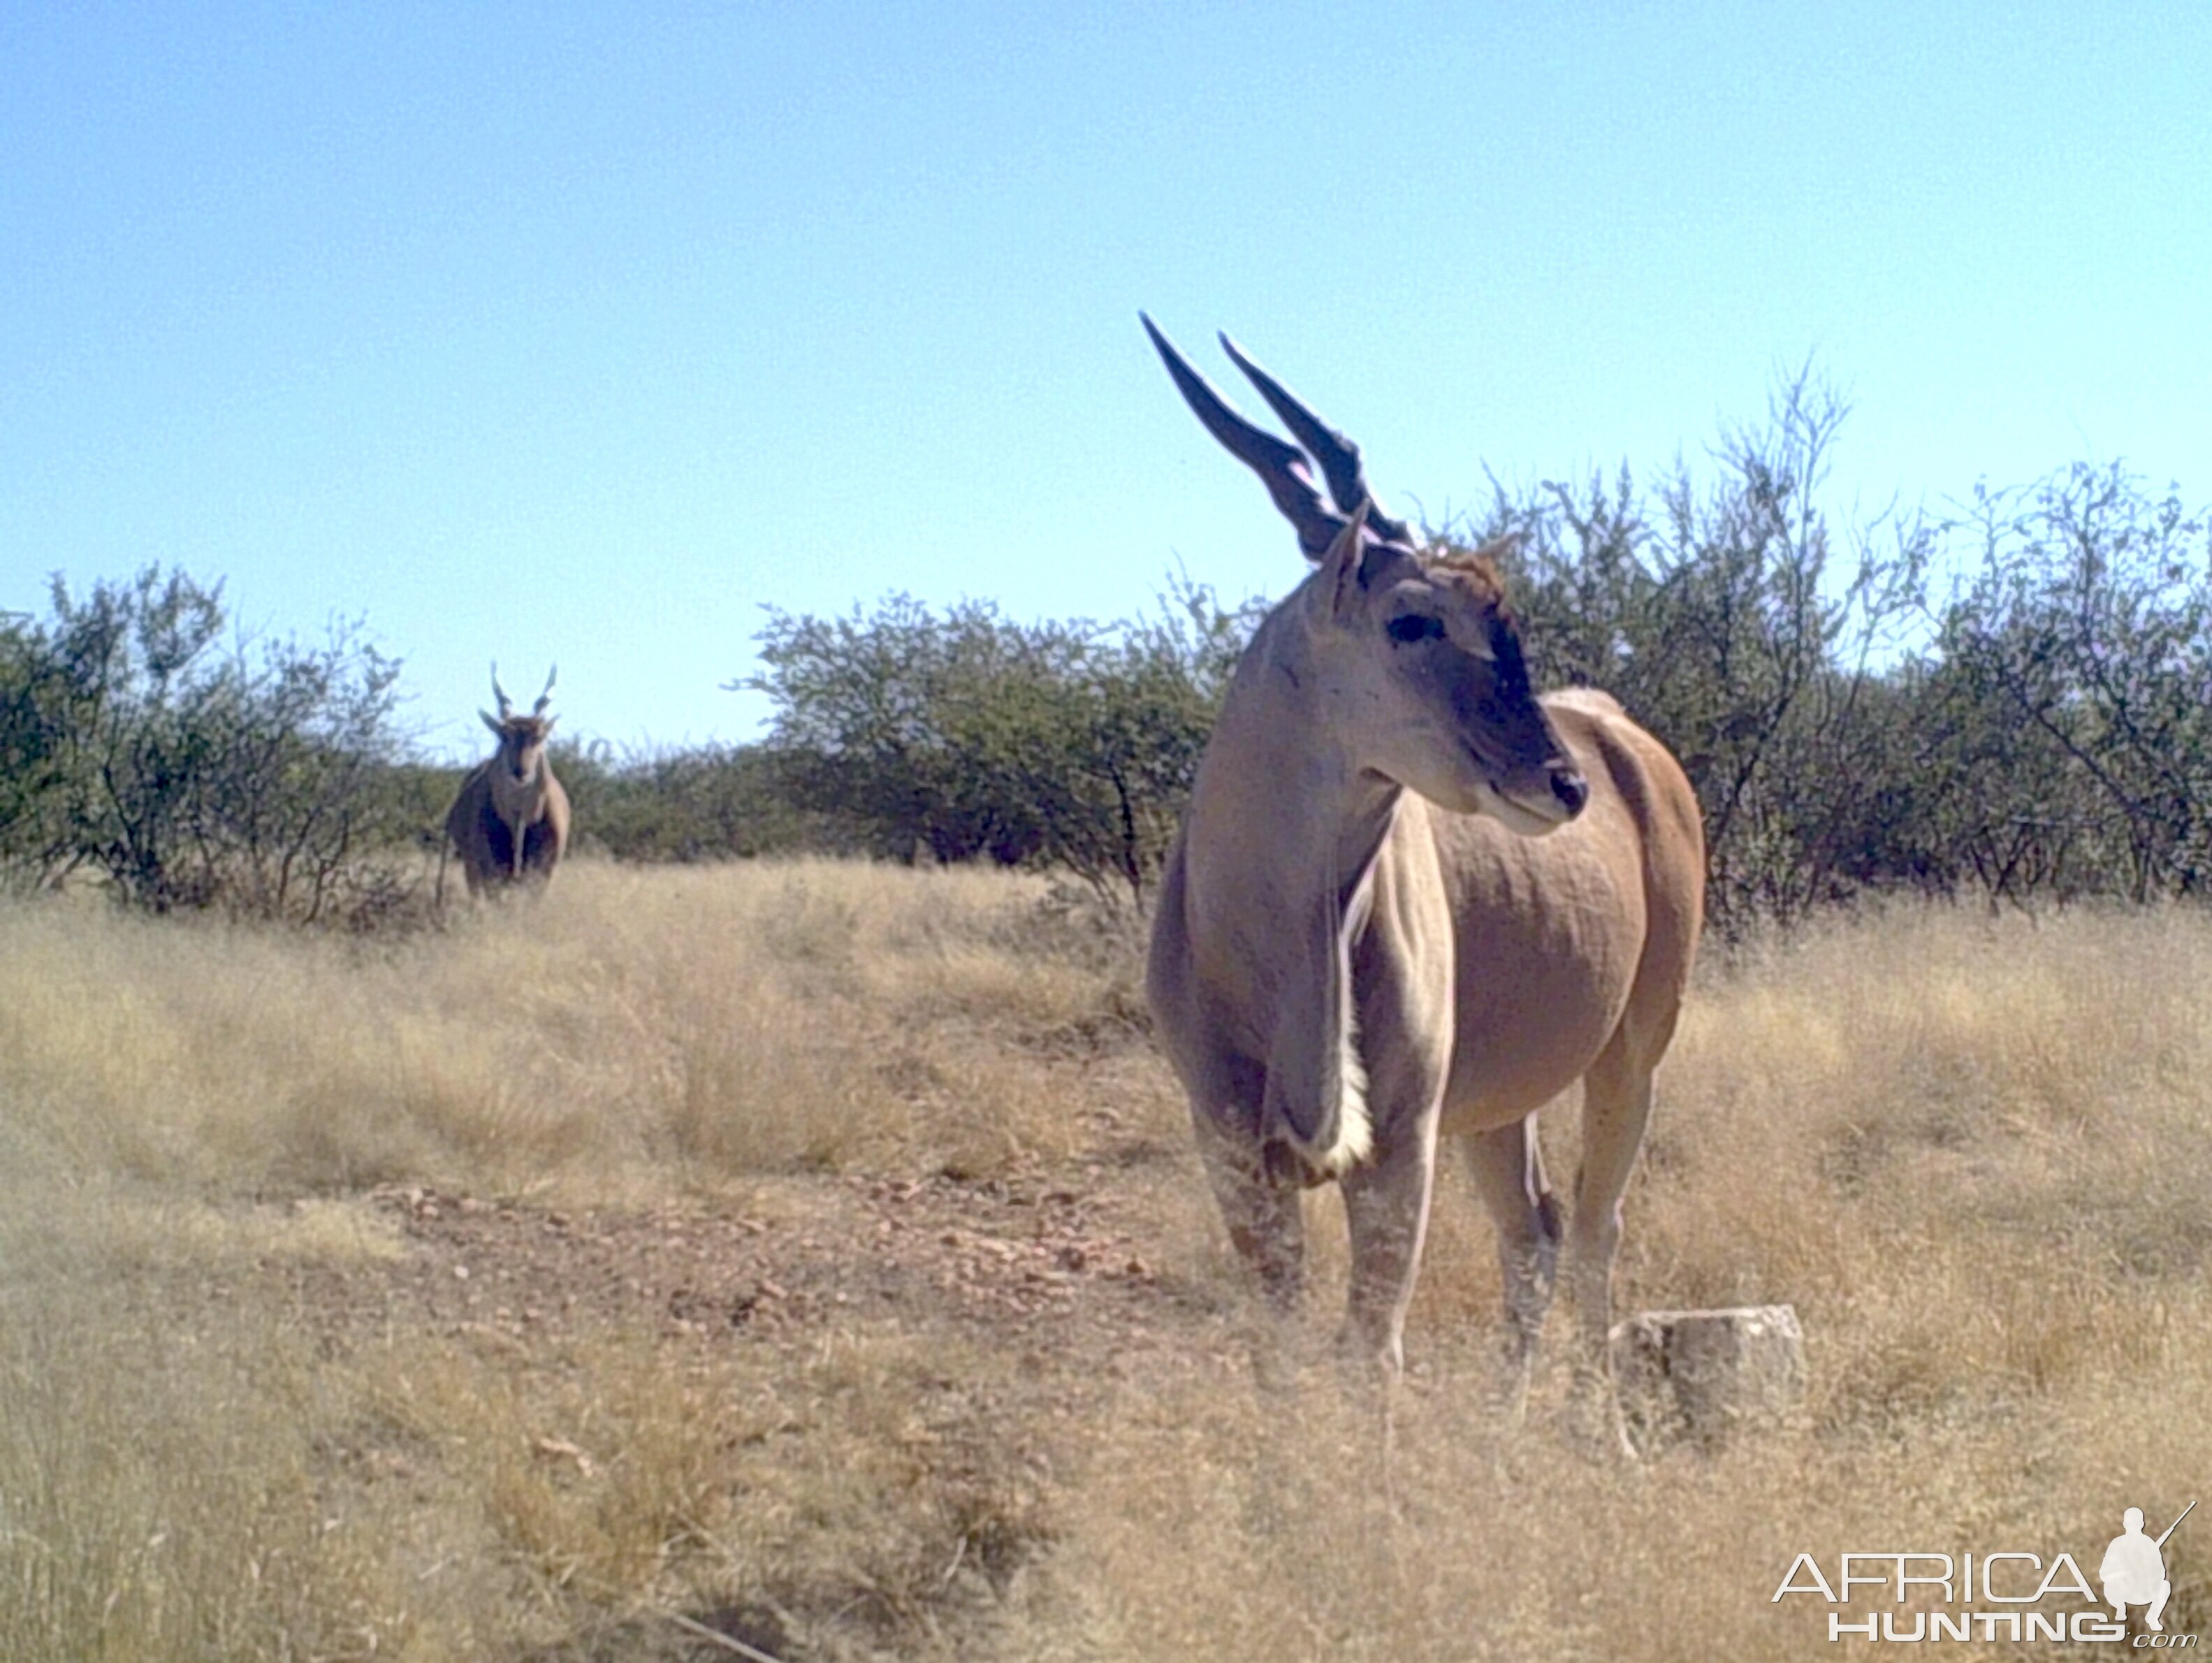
(1409,896)
(510,822)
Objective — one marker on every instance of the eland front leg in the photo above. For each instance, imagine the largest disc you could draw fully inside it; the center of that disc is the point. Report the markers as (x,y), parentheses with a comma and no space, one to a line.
(1386,1207)
(1266,1222)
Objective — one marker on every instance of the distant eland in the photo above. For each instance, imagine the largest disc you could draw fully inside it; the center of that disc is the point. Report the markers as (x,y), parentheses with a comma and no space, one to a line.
(1411,896)
(510,821)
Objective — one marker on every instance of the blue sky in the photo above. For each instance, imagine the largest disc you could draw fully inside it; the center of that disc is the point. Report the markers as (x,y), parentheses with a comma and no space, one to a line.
(580,332)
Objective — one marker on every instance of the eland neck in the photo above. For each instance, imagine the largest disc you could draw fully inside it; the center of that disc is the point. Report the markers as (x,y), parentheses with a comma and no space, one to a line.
(519,795)
(1298,812)
(1284,828)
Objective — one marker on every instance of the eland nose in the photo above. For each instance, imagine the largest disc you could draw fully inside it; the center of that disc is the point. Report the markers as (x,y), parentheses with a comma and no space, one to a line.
(1571,788)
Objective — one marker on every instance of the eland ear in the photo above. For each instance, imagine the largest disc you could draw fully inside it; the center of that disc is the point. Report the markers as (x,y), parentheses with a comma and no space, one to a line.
(1501,548)
(1339,564)
(549,721)
(492,722)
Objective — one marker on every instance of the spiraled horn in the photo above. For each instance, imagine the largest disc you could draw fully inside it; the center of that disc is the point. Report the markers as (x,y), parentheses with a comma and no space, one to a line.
(506,706)
(1339,456)
(1281,466)
(545,697)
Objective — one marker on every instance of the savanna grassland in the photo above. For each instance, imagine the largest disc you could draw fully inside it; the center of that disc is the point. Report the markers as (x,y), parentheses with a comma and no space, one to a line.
(808,1260)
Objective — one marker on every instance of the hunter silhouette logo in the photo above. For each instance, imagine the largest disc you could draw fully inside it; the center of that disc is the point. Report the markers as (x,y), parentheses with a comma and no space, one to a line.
(2134,1571)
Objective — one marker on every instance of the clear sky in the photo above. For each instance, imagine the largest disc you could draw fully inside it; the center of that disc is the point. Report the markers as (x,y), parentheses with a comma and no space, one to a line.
(578,332)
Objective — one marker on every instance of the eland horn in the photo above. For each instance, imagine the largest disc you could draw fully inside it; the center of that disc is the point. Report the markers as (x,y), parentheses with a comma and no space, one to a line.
(1338,457)
(1282,469)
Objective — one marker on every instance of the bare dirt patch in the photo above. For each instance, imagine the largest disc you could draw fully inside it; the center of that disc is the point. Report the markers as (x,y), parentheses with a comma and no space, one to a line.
(1012,1260)
(1051,1277)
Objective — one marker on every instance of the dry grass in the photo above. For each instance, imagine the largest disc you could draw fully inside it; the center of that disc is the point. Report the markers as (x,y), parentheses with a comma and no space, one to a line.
(1975,1156)
(1973,1153)
(647,1030)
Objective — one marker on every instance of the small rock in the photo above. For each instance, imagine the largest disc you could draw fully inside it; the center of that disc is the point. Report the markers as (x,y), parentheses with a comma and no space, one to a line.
(1703,1372)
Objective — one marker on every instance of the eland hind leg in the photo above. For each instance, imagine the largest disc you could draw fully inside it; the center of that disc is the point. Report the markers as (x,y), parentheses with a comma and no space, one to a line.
(1616,1107)
(1507,1166)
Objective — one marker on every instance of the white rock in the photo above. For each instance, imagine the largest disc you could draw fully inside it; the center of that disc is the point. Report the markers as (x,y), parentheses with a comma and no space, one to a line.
(1701,1374)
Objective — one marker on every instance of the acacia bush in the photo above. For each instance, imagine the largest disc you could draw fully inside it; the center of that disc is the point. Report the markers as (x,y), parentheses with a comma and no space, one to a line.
(193,770)
(687,804)
(1759,640)
(2069,696)
(971,736)
(2009,698)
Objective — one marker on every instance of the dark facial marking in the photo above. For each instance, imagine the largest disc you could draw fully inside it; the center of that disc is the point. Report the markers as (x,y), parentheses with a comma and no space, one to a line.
(1505,649)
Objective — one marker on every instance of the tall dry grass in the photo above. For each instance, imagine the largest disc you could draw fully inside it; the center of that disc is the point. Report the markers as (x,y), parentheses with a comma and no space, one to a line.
(1973,1152)
(641,1029)
(186,1108)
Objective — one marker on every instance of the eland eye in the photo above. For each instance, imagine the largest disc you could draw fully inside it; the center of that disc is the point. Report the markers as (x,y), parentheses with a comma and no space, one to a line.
(1410,627)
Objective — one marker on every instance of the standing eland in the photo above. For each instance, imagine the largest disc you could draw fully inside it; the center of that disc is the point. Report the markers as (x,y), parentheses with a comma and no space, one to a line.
(510,822)
(1410,896)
